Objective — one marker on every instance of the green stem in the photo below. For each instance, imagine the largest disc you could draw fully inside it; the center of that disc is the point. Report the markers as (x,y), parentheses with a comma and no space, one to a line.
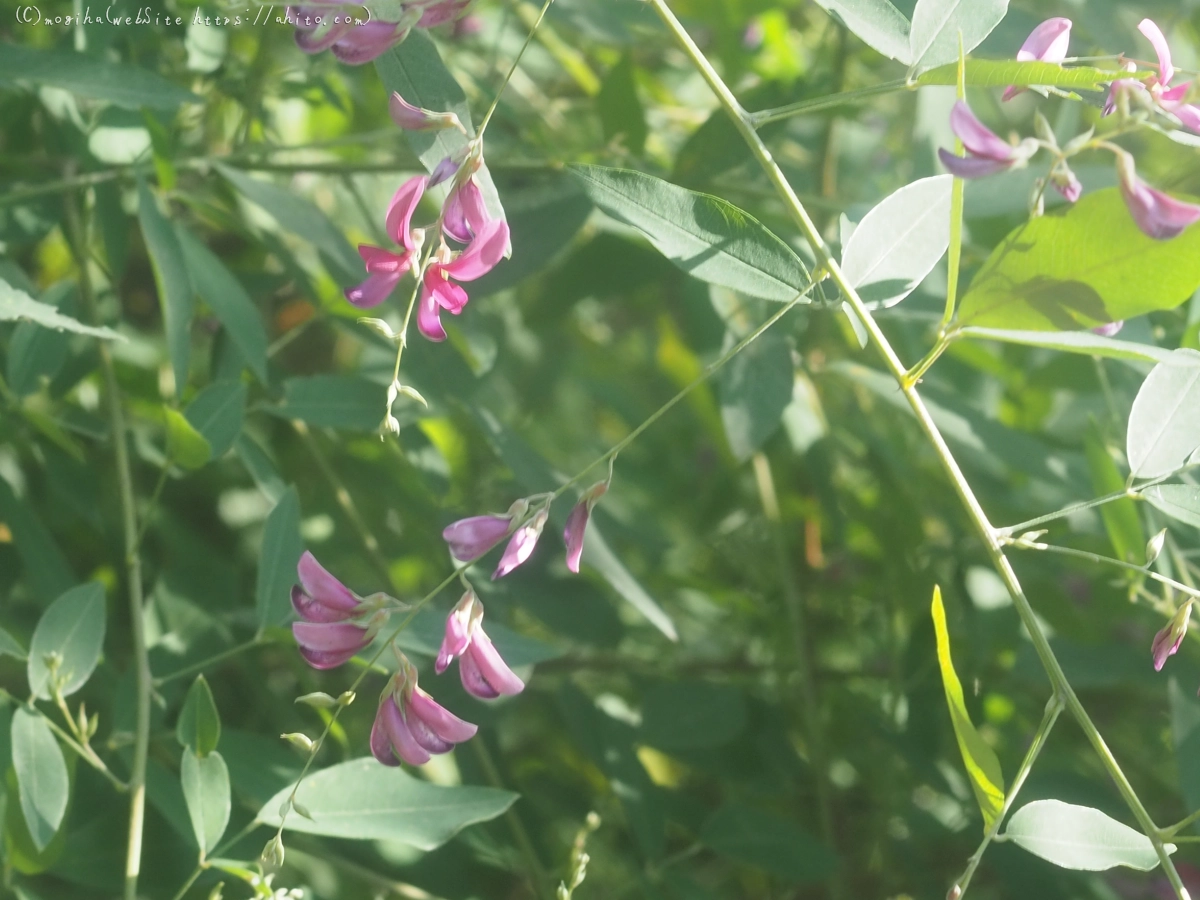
(962,487)
(133,564)
(86,753)
(1053,708)
(708,372)
(1132,493)
(810,700)
(759,119)
(487,117)
(1108,561)
(211,661)
(1168,833)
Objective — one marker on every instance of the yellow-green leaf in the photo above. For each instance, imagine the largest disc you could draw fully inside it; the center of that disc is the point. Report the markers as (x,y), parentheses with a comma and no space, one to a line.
(982,765)
(186,446)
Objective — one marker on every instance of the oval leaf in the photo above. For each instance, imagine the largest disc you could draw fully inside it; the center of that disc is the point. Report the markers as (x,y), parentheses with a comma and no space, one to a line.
(899,241)
(199,725)
(876,23)
(72,628)
(938,26)
(41,776)
(186,446)
(703,235)
(206,790)
(1164,429)
(1179,501)
(363,800)
(1080,266)
(982,765)
(1079,837)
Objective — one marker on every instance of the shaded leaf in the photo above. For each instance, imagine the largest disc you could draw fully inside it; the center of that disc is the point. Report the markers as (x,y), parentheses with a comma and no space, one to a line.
(769,842)
(199,725)
(171,278)
(1164,429)
(1079,837)
(937,26)
(16,305)
(206,789)
(281,550)
(363,800)
(703,235)
(620,109)
(1083,265)
(73,628)
(91,76)
(333,401)
(42,778)
(1179,501)
(685,715)
(899,241)
(755,388)
(45,566)
(10,646)
(983,767)
(216,413)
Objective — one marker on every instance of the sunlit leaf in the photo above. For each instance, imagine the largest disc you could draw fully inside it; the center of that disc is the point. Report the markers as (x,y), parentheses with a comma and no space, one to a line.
(41,776)
(73,629)
(938,27)
(876,22)
(281,550)
(1084,342)
(16,305)
(1164,429)
(1079,837)
(1003,72)
(983,767)
(91,76)
(186,446)
(1121,519)
(363,800)
(1179,501)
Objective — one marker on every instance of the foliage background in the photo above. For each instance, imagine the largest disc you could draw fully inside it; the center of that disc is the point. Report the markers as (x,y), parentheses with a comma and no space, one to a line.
(804,673)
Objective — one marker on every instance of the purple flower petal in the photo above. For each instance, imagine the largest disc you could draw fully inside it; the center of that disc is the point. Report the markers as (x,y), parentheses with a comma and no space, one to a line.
(323,587)
(1109,328)
(454,220)
(977,137)
(415,118)
(330,637)
(443,170)
(458,634)
(520,546)
(429,320)
(1159,215)
(373,291)
(440,720)
(971,166)
(473,680)
(1155,36)
(573,533)
(482,254)
(310,610)
(443,12)
(495,671)
(381,744)
(400,210)
(472,537)
(1048,42)
(366,42)
(449,296)
(402,740)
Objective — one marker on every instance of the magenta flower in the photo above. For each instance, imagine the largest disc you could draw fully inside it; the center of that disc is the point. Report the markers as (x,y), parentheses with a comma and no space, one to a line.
(1046,43)
(326,645)
(1109,329)
(465,214)
(1169,98)
(326,636)
(385,268)
(987,154)
(340,28)
(439,12)
(410,725)
(1167,641)
(439,289)
(1159,215)
(472,537)
(577,523)
(319,597)
(484,674)
(415,118)
(521,544)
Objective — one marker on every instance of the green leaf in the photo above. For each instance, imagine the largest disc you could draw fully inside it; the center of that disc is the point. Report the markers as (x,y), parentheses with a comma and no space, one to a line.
(216,413)
(1085,342)
(16,305)
(1179,501)
(199,725)
(10,646)
(91,76)
(363,800)
(755,388)
(282,547)
(1003,72)
(1164,429)
(227,298)
(42,778)
(299,216)
(171,277)
(1083,265)
(877,23)
(415,71)
(186,446)
(45,565)
(206,790)
(899,241)
(769,842)
(983,767)
(703,235)
(1121,519)
(620,109)
(937,25)
(260,467)
(36,353)
(333,401)
(73,627)
(691,714)
(1079,837)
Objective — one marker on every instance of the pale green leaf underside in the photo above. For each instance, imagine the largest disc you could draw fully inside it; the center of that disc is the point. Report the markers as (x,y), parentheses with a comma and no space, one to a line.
(1085,342)
(1079,837)
(16,305)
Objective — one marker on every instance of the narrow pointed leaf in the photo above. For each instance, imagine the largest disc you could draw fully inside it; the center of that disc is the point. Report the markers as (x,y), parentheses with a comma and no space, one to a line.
(206,790)
(217,414)
(983,768)
(1084,342)
(281,550)
(91,76)
(1003,72)
(44,785)
(171,277)
(1079,837)
(18,306)
(199,725)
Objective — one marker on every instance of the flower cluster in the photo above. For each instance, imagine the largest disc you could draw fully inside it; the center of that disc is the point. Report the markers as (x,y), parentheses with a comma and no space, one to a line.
(464,219)
(335,25)
(1157,88)
(1157,214)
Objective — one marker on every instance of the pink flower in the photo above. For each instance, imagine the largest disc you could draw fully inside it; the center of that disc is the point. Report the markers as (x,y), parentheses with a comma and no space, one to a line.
(1167,641)
(472,537)
(332,26)
(1159,215)
(319,597)
(439,289)
(415,118)
(326,636)
(987,154)
(1169,98)
(385,268)
(484,674)
(1046,43)
(465,214)
(1109,329)
(521,544)
(326,645)
(410,725)
(577,523)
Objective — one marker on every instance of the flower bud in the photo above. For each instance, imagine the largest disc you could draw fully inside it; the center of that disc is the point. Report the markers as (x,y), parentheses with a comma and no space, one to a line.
(317,700)
(302,810)
(272,856)
(301,742)
(1167,641)
(216,892)
(1154,546)
(346,698)
(379,326)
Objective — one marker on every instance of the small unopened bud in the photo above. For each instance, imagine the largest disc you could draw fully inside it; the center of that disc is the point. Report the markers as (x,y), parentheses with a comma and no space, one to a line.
(593,821)
(317,700)
(346,698)
(93,725)
(301,809)
(378,325)
(284,808)
(1154,546)
(82,720)
(412,392)
(301,742)
(216,892)
(954,893)
(272,855)
(1167,641)
(390,424)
